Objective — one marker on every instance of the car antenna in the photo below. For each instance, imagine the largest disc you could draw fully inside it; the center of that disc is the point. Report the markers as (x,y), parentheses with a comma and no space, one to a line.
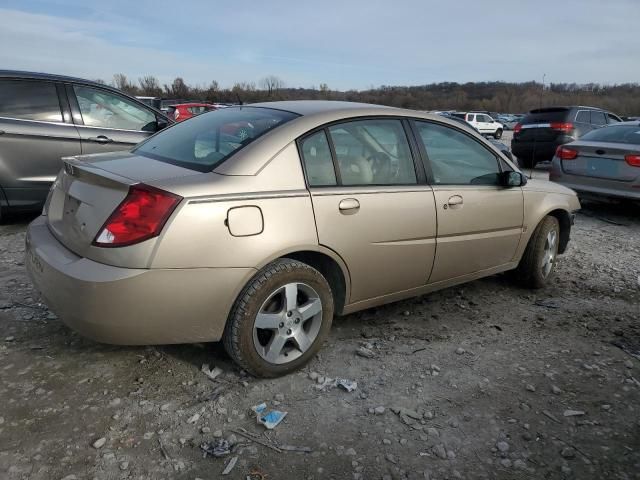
(239,99)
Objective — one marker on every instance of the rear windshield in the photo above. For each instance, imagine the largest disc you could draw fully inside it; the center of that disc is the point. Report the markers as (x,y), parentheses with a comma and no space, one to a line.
(205,141)
(545,115)
(615,134)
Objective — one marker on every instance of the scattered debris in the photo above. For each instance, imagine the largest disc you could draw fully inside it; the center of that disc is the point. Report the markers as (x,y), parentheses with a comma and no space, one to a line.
(460,351)
(255,438)
(269,419)
(193,418)
(365,352)
(257,474)
(212,373)
(546,304)
(573,413)
(348,385)
(163,450)
(99,443)
(219,448)
(230,465)
(548,414)
(293,448)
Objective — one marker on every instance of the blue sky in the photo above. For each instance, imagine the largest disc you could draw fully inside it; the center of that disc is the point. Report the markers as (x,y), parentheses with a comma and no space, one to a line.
(346,44)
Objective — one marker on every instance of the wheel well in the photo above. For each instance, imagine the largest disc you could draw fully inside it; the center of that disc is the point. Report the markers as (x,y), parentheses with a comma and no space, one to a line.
(564,220)
(330,269)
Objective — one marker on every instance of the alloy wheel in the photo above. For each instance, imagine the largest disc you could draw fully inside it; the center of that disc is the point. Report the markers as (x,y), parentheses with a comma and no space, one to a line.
(550,252)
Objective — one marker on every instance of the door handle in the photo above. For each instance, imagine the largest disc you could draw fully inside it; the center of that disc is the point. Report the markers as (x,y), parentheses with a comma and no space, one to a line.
(455,201)
(100,139)
(349,206)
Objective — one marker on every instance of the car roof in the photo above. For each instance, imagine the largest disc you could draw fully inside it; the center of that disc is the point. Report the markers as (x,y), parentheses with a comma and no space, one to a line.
(310,107)
(192,104)
(51,77)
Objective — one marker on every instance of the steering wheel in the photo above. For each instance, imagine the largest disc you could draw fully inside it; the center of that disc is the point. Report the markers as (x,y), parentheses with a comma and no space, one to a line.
(380,166)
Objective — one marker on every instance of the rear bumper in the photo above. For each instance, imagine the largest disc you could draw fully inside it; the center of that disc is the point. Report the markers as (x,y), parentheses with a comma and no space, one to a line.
(599,187)
(537,151)
(131,306)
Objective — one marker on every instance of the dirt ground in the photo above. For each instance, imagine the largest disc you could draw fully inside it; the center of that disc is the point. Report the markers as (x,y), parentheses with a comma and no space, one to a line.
(486,380)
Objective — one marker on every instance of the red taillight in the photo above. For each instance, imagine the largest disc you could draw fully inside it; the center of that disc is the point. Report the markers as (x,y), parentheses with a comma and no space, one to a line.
(517,128)
(140,216)
(561,126)
(565,153)
(633,160)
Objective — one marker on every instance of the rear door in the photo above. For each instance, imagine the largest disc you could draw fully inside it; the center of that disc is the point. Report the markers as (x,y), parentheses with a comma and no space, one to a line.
(371,205)
(479,221)
(107,121)
(35,132)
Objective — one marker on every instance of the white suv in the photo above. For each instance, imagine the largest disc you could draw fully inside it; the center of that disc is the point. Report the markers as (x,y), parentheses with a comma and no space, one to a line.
(483,123)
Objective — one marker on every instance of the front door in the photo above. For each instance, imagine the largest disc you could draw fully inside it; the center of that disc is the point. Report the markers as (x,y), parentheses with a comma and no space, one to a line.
(479,221)
(369,206)
(33,138)
(107,121)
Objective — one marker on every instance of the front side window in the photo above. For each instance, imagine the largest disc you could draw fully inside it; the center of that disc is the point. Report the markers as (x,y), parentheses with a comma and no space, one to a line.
(318,164)
(205,141)
(456,158)
(100,108)
(29,100)
(373,152)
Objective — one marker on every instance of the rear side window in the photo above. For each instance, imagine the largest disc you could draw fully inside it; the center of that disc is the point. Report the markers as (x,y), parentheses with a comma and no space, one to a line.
(318,164)
(470,118)
(29,100)
(456,158)
(373,152)
(612,118)
(615,134)
(583,116)
(205,141)
(598,118)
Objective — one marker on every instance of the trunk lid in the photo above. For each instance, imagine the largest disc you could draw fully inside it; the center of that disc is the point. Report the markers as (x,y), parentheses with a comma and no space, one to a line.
(600,160)
(87,191)
(536,125)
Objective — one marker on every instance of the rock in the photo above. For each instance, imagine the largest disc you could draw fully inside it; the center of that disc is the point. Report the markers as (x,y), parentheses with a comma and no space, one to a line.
(433,432)
(115,402)
(1,420)
(99,443)
(573,413)
(379,410)
(460,351)
(527,436)
(406,412)
(165,407)
(365,352)
(391,458)
(520,464)
(232,439)
(313,376)
(439,451)
(606,407)
(429,415)
(386,441)
(451,454)
(406,313)
(320,379)
(568,452)
(555,390)
(505,462)
(279,397)
(530,387)
(502,446)
(9,339)
(217,433)
(124,465)
(628,364)
(403,441)
(350,452)
(193,418)
(435,368)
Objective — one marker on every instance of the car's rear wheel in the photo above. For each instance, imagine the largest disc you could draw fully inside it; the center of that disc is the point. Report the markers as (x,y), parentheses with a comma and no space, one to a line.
(538,263)
(280,319)
(527,162)
(498,134)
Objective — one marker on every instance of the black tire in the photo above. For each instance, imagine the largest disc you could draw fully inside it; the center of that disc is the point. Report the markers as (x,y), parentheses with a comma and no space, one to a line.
(238,337)
(526,162)
(530,273)
(498,134)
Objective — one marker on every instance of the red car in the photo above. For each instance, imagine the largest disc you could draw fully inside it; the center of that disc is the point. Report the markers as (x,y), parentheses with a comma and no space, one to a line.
(182,111)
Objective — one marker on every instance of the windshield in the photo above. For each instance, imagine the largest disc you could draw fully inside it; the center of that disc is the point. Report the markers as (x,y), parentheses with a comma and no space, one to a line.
(204,142)
(615,134)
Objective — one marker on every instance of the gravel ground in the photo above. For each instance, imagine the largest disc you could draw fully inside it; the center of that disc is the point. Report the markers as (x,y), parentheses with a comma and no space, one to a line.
(485,380)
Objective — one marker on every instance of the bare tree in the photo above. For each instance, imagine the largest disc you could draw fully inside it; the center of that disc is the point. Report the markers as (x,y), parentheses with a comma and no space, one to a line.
(177,89)
(150,86)
(271,84)
(121,82)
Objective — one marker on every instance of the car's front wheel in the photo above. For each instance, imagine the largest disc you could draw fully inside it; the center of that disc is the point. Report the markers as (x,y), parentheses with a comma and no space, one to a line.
(498,134)
(538,262)
(280,319)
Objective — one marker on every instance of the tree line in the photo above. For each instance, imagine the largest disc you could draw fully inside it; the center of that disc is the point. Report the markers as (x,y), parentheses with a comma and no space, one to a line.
(623,99)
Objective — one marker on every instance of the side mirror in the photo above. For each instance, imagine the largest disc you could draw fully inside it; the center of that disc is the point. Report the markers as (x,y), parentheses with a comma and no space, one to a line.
(512,179)
(161,123)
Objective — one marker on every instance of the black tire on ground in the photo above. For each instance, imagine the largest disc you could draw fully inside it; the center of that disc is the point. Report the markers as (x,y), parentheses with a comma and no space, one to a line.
(530,272)
(238,334)
(527,162)
(498,134)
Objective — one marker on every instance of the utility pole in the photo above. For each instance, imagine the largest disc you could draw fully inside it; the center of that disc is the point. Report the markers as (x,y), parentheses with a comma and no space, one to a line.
(544,75)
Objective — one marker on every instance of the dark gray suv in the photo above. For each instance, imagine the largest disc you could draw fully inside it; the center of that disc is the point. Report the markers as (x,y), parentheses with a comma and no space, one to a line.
(45,117)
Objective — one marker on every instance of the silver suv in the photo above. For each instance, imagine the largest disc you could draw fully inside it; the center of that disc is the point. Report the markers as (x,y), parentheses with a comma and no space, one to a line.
(45,117)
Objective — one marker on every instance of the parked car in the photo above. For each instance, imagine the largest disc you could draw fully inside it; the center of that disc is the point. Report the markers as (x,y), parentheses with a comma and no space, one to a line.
(183,111)
(541,131)
(496,143)
(46,117)
(155,102)
(482,122)
(603,162)
(329,208)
